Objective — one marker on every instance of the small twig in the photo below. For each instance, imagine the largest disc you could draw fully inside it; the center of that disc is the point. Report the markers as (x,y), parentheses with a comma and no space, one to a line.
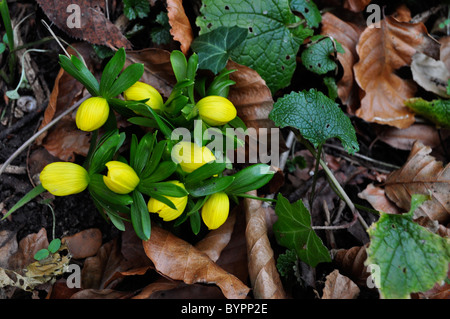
(423,16)
(45,128)
(13,169)
(330,234)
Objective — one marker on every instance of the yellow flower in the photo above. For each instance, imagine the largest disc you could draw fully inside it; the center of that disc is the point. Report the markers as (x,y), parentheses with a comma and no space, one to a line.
(141,91)
(121,178)
(216,110)
(190,156)
(92,114)
(165,212)
(215,210)
(64,178)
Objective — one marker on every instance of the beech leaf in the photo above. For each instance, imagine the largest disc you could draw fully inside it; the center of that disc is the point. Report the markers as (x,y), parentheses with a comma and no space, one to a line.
(411,258)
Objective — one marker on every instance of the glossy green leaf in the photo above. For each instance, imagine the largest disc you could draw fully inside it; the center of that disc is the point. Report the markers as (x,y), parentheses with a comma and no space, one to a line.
(273,40)
(134,9)
(80,72)
(54,245)
(179,64)
(127,78)
(163,171)
(319,57)
(293,230)
(154,160)
(41,254)
(111,71)
(210,186)
(104,194)
(105,152)
(437,111)
(39,189)
(140,217)
(316,116)
(250,178)
(410,257)
(204,172)
(162,188)
(214,48)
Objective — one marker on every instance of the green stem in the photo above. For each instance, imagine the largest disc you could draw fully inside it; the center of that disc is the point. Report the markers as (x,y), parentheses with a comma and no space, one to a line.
(315,177)
(257,198)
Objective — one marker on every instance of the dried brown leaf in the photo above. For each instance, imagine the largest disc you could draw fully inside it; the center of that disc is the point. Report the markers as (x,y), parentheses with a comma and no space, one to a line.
(264,276)
(338,286)
(350,262)
(28,247)
(101,294)
(347,35)
(356,5)
(8,246)
(94,27)
(377,198)
(382,51)
(422,174)
(84,244)
(179,260)
(431,74)
(181,28)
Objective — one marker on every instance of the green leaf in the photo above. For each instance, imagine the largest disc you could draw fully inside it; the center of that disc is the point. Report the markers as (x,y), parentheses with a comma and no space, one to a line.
(309,10)
(411,258)
(80,72)
(293,230)
(210,186)
(318,57)
(179,64)
(204,172)
(154,160)
(330,83)
(196,222)
(214,48)
(54,245)
(129,76)
(437,111)
(105,195)
(41,254)
(316,116)
(143,152)
(164,170)
(105,152)
(111,71)
(162,188)
(140,217)
(161,35)
(286,263)
(39,189)
(250,178)
(2,47)
(133,9)
(273,39)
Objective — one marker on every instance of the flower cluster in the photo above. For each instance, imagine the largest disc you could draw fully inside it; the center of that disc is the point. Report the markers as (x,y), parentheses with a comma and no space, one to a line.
(178,180)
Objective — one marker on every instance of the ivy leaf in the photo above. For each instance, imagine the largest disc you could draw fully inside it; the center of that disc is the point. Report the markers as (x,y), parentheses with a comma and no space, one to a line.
(133,9)
(437,111)
(411,258)
(318,57)
(274,35)
(316,116)
(213,48)
(309,10)
(293,230)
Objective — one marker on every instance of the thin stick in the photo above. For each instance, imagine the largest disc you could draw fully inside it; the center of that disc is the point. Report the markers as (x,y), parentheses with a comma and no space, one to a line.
(35,136)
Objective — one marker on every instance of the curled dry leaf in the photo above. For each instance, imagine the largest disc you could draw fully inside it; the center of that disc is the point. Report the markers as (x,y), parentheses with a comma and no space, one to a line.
(422,174)
(377,198)
(84,243)
(181,28)
(8,246)
(347,35)
(84,20)
(263,272)
(356,5)
(338,286)
(179,260)
(350,262)
(382,51)
(28,247)
(430,74)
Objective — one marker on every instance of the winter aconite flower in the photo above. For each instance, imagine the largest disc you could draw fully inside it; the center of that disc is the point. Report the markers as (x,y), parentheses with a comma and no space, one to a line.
(215,210)
(190,156)
(121,178)
(92,114)
(141,91)
(165,212)
(216,110)
(64,178)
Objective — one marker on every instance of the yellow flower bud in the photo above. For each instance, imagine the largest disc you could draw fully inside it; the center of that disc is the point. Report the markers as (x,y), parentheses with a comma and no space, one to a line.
(216,110)
(141,91)
(165,212)
(121,178)
(92,114)
(64,178)
(190,156)
(215,210)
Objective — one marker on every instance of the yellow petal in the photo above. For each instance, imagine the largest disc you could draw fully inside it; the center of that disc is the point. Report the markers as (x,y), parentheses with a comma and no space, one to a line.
(64,178)
(216,110)
(190,156)
(215,210)
(121,178)
(141,91)
(165,212)
(92,114)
